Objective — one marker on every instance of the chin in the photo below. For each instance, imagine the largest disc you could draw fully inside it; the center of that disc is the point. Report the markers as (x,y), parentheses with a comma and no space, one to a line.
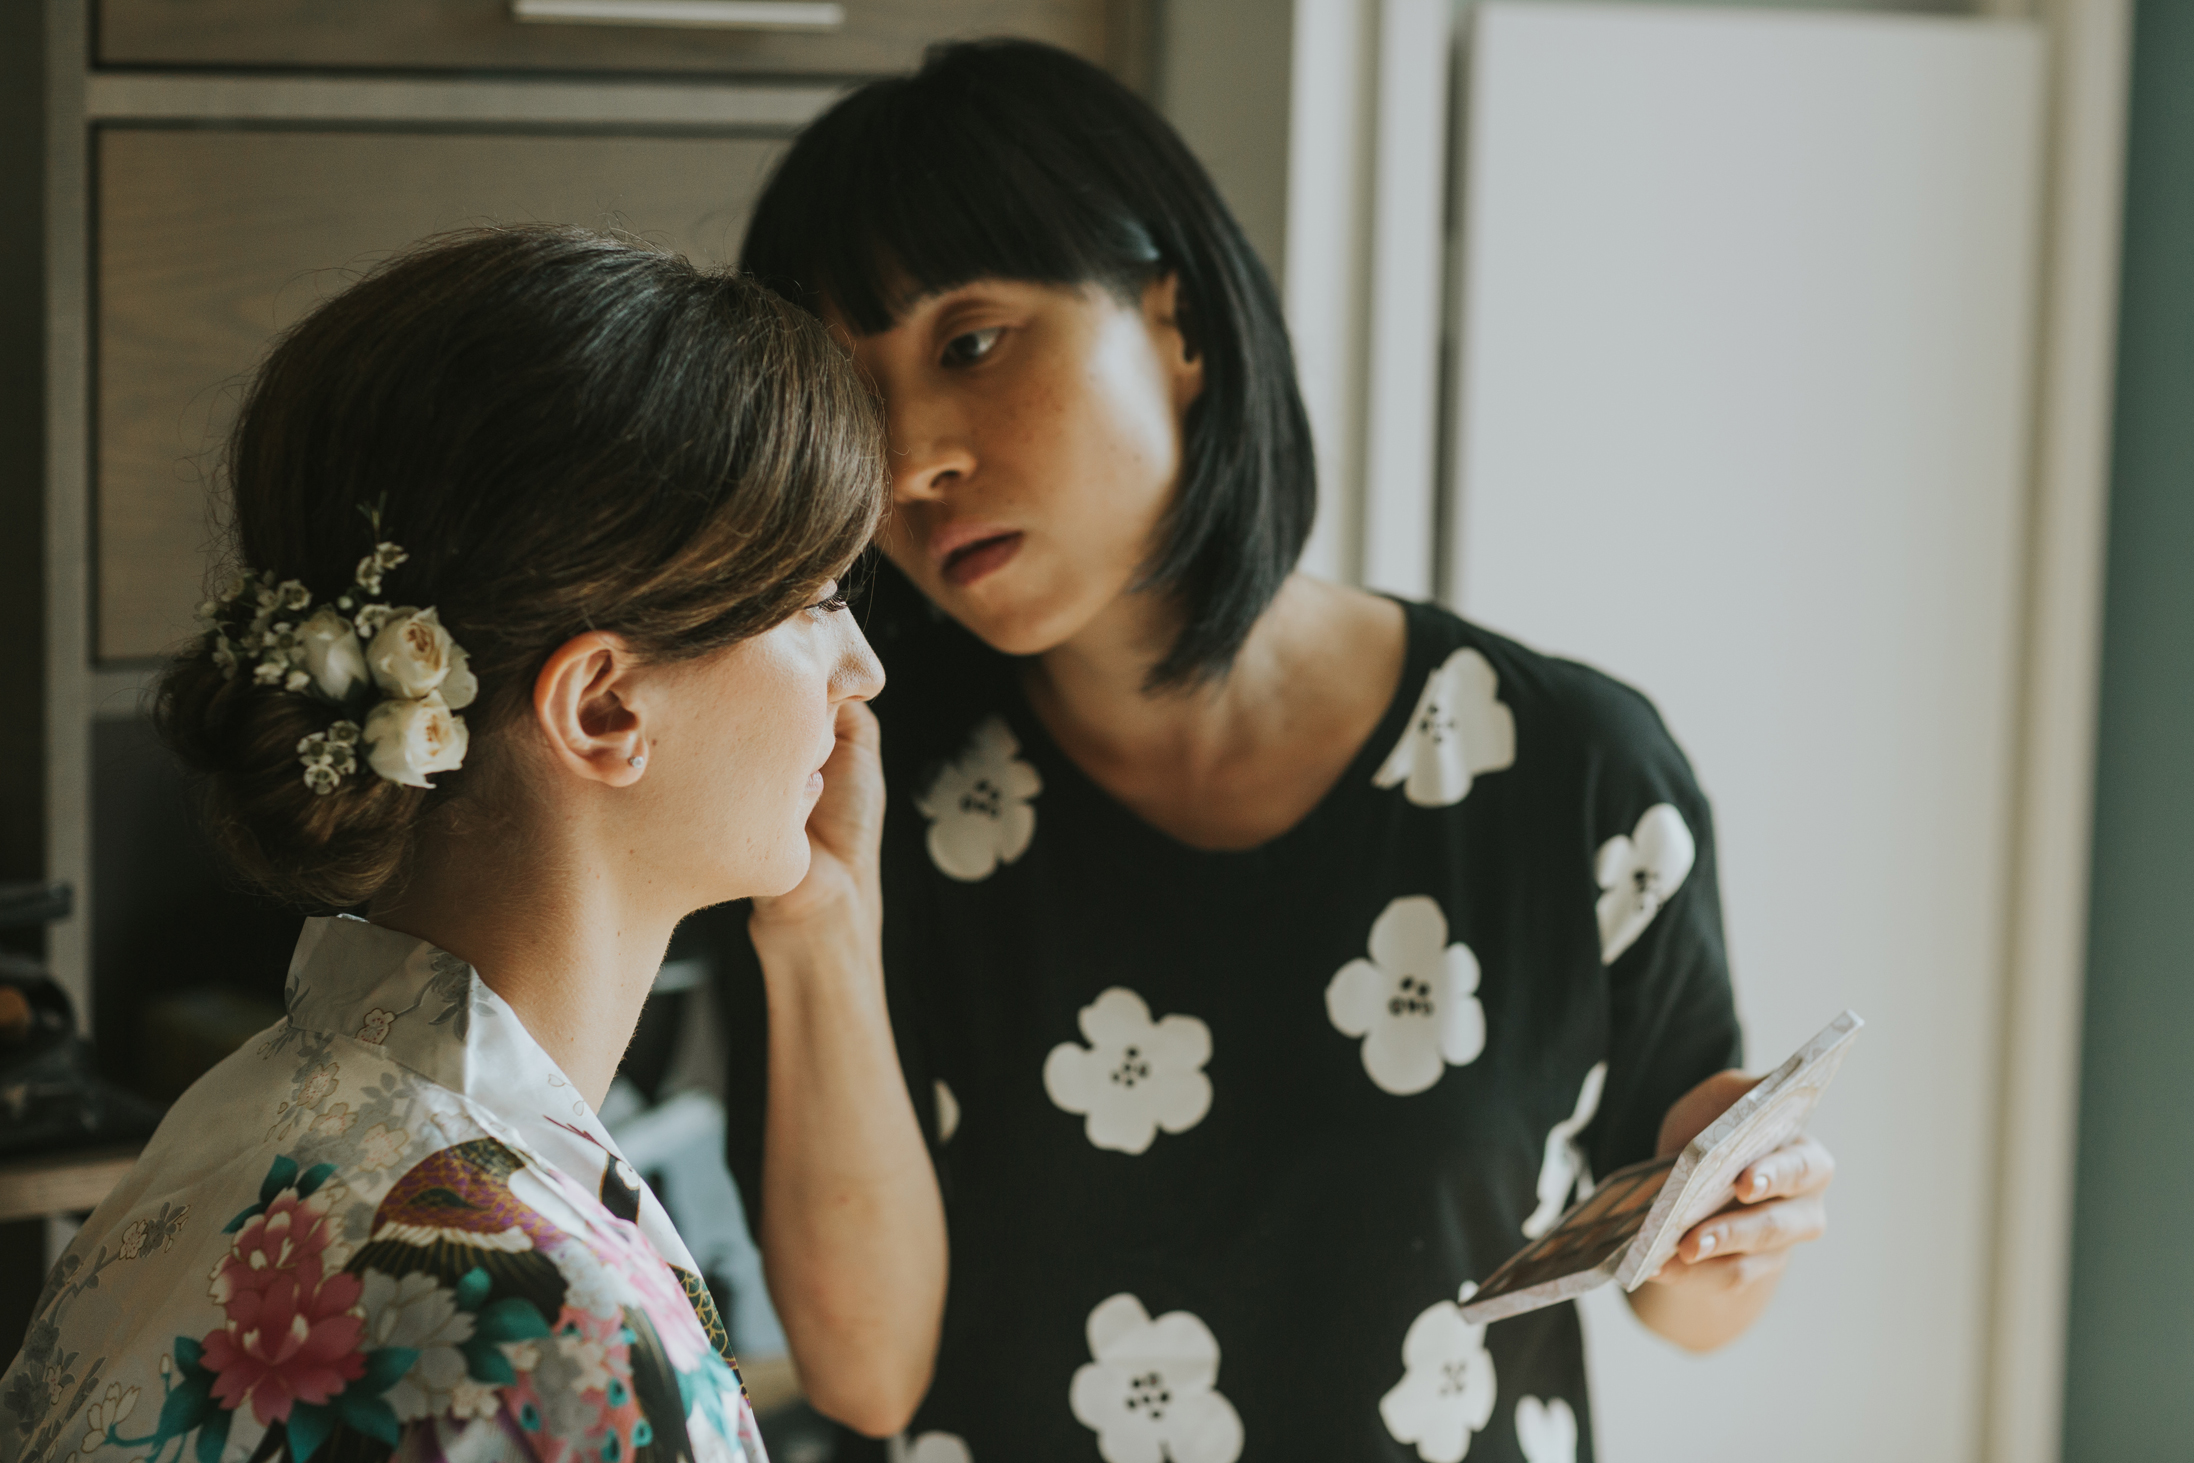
(784,871)
(1018,627)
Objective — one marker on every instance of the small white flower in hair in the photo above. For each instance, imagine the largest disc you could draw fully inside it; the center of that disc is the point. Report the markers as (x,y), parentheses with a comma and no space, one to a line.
(385,556)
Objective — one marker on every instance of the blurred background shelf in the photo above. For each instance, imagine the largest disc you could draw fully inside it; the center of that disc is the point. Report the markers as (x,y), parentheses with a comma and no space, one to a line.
(64,1183)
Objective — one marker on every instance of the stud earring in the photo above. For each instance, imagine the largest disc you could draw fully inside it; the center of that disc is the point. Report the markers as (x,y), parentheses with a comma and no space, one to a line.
(639,761)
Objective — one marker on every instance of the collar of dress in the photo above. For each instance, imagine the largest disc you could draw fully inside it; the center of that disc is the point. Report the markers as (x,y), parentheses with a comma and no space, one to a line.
(425,1009)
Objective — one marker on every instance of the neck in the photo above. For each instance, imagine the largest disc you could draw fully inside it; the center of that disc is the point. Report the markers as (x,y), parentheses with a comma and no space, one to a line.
(1093,686)
(551,927)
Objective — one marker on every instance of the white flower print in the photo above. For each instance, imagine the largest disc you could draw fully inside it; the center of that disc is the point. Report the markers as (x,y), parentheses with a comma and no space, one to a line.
(1150,1395)
(1565,1166)
(977,807)
(1546,1431)
(414,1312)
(1135,1076)
(381,1147)
(938,1448)
(375,1030)
(108,1412)
(1639,874)
(589,1285)
(1447,1388)
(333,1123)
(314,1090)
(588,1359)
(1460,728)
(470,1399)
(154,1232)
(1414,1002)
(948,1112)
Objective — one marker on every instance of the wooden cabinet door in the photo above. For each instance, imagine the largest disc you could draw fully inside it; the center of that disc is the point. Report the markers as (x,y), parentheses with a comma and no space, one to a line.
(210,241)
(873,36)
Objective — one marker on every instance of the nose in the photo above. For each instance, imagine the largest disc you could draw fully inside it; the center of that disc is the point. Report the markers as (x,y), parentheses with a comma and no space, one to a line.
(859,675)
(930,454)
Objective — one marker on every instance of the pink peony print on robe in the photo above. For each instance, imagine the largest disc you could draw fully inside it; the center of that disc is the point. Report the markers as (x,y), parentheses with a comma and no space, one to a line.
(290,1334)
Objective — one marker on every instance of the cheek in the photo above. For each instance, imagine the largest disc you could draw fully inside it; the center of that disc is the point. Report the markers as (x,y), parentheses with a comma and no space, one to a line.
(758,733)
(1134,435)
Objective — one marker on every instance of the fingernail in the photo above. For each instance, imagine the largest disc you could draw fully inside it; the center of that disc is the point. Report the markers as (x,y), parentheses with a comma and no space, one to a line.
(1760,1182)
(1706,1245)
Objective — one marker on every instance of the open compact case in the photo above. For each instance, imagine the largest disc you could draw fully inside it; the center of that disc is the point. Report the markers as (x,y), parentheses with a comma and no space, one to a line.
(1632,1221)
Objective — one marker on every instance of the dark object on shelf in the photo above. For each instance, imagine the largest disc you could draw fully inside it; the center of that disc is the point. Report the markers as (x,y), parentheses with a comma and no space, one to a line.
(24,905)
(51,1098)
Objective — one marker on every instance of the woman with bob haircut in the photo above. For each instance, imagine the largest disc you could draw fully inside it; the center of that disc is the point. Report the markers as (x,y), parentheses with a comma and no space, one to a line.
(1269,960)
(535,646)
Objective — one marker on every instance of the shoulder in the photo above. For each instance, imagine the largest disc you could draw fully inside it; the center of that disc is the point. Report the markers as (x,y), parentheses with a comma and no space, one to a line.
(1564,709)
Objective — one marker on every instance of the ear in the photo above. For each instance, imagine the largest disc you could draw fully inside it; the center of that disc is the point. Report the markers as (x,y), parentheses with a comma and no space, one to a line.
(1162,313)
(583,702)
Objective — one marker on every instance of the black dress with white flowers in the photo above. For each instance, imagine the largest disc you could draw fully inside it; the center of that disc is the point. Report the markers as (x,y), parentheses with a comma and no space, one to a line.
(1224,1137)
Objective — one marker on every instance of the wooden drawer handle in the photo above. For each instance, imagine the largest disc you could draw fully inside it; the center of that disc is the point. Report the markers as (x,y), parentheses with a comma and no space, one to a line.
(684,14)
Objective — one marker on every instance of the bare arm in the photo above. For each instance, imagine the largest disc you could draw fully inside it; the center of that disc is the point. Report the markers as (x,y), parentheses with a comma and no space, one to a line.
(1726,1269)
(852,1226)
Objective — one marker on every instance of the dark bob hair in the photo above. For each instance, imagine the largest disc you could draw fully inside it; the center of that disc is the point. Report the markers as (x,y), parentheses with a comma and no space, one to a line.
(1013,160)
(567,432)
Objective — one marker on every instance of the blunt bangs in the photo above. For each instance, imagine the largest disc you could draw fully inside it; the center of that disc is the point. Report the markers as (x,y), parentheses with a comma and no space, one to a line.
(1015,160)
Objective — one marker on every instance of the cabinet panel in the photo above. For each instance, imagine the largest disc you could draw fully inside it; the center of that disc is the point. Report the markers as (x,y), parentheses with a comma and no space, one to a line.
(211,241)
(875,36)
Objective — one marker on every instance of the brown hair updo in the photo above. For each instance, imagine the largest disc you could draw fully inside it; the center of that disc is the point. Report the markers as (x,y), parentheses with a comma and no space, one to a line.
(567,432)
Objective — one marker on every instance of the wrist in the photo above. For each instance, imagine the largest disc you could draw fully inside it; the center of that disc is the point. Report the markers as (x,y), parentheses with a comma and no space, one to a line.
(816,942)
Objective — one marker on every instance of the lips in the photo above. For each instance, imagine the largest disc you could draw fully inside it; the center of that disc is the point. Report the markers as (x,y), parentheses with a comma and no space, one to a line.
(980,557)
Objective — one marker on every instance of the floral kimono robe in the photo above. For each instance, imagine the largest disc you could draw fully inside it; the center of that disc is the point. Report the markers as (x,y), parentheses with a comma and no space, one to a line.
(387,1227)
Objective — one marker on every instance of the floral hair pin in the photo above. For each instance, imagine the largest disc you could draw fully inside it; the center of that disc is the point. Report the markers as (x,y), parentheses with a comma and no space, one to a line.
(391,670)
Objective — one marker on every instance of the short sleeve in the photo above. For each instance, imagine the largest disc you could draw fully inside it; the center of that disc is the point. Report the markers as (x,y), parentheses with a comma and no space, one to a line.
(1650,854)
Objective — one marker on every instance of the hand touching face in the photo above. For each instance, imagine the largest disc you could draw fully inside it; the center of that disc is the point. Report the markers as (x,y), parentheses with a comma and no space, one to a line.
(718,760)
(1035,449)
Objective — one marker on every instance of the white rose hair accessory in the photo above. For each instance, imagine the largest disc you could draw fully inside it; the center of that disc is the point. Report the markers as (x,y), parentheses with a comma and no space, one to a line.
(391,672)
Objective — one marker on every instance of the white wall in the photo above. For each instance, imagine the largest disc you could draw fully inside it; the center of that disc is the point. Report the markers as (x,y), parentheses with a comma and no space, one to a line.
(1745,322)
(1223,77)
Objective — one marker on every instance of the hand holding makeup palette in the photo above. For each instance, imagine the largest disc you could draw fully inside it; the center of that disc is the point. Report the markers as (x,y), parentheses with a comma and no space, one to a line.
(1631,1223)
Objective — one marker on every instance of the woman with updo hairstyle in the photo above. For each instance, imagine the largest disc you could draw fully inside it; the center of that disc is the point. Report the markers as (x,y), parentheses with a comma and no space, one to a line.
(533,645)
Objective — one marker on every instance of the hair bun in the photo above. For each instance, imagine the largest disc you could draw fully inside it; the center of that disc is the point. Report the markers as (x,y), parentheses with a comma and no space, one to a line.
(320,850)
